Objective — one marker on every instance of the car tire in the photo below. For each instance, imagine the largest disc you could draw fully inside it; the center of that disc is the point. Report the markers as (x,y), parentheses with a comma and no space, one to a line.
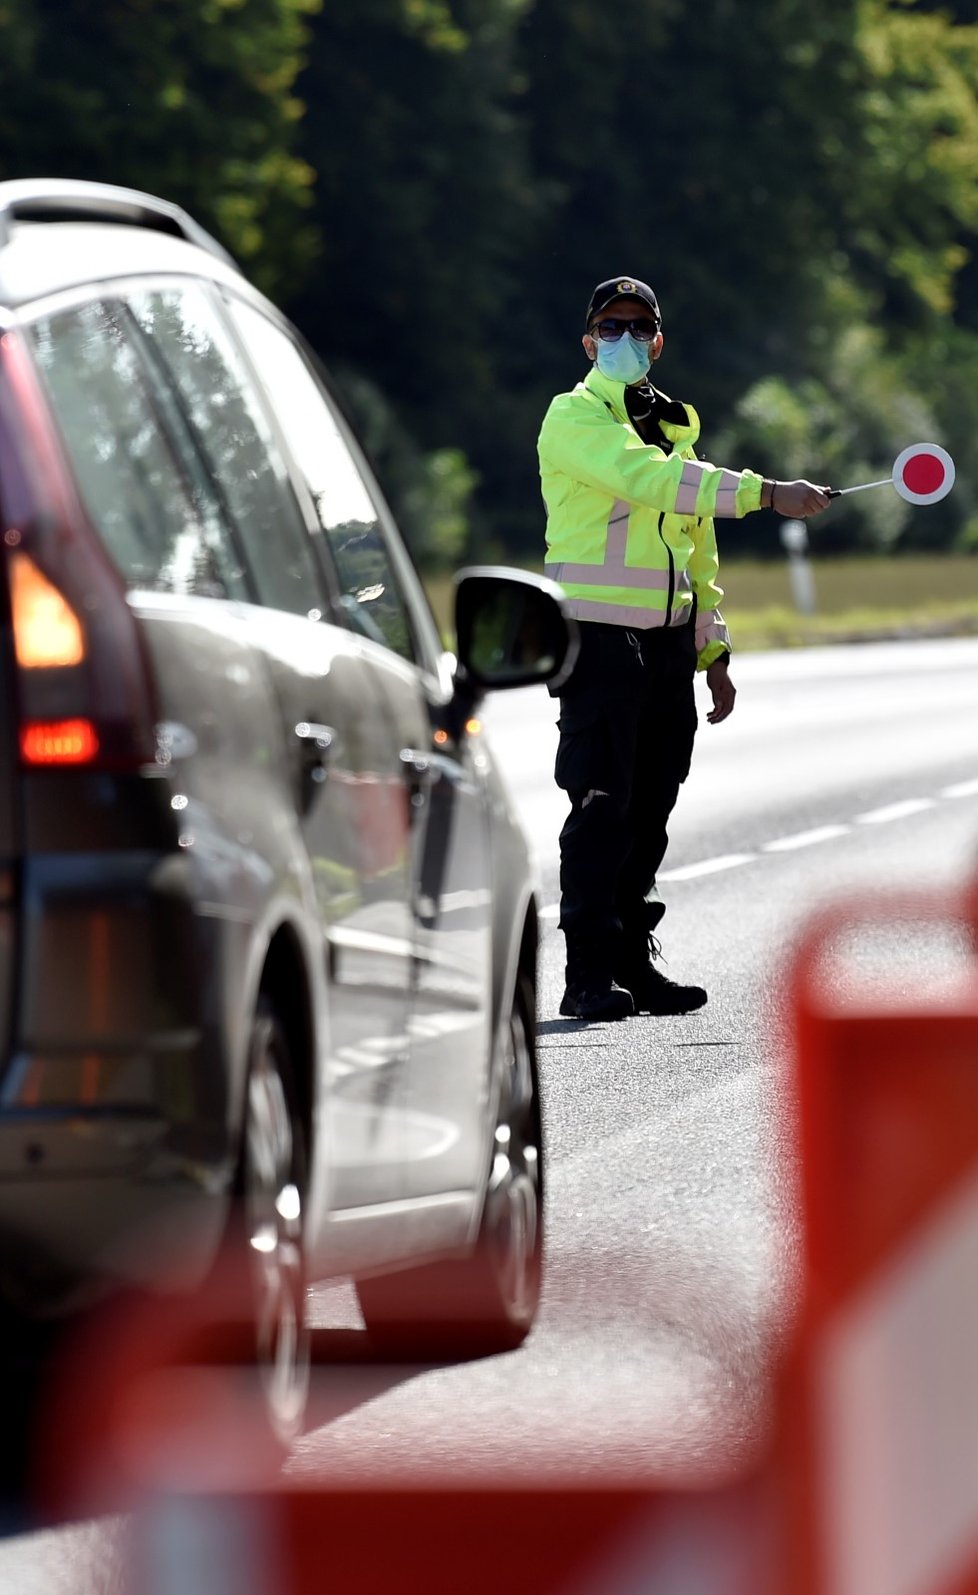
(272,1190)
(28,1349)
(486,1301)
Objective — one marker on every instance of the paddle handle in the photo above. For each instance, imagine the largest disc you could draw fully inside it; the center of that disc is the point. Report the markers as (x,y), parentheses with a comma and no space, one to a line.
(837,492)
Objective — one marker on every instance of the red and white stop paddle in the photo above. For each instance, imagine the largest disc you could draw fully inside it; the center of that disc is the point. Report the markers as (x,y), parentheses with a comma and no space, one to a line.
(922,474)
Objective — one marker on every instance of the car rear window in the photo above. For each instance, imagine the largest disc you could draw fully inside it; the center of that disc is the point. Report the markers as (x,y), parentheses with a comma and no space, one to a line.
(163,530)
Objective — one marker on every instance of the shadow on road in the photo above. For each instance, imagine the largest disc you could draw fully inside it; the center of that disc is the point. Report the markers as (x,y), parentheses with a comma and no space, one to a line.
(570,1027)
(348,1373)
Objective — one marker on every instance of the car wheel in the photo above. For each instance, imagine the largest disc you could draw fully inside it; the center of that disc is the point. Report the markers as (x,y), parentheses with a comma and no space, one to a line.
(273,1186)
(486,1301)
(28,1349)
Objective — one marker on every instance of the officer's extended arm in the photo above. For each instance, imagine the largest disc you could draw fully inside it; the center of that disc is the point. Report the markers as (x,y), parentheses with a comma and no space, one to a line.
(580,440)
(588,446)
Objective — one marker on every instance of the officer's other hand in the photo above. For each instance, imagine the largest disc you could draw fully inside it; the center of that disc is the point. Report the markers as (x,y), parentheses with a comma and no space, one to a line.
(723,692)
(799,500)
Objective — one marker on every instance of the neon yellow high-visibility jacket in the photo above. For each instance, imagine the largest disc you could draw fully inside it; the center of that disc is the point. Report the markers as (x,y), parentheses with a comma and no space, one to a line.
(630,534)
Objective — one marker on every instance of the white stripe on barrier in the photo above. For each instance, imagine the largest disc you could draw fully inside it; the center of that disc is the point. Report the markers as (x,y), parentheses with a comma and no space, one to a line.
(896,1412)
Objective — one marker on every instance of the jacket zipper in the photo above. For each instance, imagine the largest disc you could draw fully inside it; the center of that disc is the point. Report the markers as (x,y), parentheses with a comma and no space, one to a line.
(672,574)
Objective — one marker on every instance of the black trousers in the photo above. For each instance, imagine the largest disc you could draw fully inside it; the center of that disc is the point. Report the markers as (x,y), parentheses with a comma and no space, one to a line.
(627,724)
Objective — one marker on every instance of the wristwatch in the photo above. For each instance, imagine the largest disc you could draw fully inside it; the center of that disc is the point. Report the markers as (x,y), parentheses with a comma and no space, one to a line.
(722,659)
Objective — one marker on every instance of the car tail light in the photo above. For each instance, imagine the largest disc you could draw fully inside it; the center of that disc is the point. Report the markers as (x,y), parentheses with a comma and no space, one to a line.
(84,682)
(47,632)
(59,742)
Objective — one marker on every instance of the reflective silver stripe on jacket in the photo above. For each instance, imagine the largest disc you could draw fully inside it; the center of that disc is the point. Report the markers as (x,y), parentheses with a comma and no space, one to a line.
(623,614)
(613,572)
(726,504)
(656,581)
(711,627)
(691,481)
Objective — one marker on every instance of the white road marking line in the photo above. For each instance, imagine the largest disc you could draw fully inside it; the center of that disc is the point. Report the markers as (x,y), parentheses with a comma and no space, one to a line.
(895,811)
(788,844)
(961,789)
(707,866)
(821,833)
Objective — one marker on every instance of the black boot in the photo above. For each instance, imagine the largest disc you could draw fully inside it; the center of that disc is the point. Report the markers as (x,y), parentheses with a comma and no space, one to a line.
(590,992)
(651,990)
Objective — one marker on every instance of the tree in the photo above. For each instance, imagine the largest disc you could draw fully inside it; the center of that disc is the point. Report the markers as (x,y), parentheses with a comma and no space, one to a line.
(423,204)
(783,185)
(190,99)
(796,182)
(908,211)
(419,196)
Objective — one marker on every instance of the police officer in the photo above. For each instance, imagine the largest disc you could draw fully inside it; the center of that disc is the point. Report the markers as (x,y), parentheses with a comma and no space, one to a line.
(630,539)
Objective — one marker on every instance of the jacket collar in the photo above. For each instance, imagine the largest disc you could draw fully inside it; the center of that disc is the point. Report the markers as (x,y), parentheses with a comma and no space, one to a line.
(678,422)
(609,391)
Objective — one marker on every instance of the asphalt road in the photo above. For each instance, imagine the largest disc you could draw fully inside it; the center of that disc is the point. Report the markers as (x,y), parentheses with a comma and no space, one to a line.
(672,1229)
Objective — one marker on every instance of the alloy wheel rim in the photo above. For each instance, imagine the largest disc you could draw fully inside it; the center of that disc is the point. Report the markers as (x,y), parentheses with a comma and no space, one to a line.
(514,1188)
(273,1214)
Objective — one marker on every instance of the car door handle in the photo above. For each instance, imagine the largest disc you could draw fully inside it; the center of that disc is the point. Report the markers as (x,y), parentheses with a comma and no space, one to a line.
(418,767)
(318,744)
(420,775)
(317,740)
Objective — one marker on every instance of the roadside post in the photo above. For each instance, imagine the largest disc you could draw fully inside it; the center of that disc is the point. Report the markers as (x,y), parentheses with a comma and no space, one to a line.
(794,540)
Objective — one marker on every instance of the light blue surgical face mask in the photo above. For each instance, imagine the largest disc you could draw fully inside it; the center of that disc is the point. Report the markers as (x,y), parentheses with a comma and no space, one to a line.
(626,360)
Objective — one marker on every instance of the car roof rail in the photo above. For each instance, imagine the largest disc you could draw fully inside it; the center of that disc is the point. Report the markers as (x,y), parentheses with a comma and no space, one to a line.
(52,199)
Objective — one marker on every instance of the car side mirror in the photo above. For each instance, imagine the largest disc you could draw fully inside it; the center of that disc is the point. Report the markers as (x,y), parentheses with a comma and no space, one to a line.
(511,629)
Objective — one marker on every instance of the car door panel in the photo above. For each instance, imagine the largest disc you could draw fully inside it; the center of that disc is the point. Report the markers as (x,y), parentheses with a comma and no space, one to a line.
(443,901)
(442,1098)
(329,740)
(355,832)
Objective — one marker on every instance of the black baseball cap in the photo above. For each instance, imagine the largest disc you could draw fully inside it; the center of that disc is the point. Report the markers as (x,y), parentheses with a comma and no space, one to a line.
(620,288)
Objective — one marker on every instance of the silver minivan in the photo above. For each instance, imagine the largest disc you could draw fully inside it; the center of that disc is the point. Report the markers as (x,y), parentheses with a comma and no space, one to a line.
(268,934)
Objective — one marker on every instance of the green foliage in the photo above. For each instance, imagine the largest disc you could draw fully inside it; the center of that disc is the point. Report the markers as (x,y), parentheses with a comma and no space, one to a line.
(799,192)
(844,427)
(432,187)
(192,99)
(441,503)
(424,205)
(914,155)
(429,493)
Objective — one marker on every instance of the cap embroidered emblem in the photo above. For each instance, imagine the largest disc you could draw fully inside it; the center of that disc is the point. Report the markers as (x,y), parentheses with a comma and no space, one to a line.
(626,287)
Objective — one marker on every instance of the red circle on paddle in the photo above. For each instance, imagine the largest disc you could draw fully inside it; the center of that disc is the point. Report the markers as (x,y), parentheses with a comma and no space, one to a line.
(924,473)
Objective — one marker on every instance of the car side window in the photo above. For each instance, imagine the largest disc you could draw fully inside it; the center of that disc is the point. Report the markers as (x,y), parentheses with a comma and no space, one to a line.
(163,530)
(372,594)
(234,435)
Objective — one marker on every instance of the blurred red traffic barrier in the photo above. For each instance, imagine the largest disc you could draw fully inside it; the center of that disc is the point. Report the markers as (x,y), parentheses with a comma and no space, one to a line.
(879,1399)
(873,1487)
(156,1414)
(147,1385)
(452,1540)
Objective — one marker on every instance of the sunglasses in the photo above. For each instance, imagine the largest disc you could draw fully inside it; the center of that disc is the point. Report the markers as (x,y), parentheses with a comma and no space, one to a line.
(610,330)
